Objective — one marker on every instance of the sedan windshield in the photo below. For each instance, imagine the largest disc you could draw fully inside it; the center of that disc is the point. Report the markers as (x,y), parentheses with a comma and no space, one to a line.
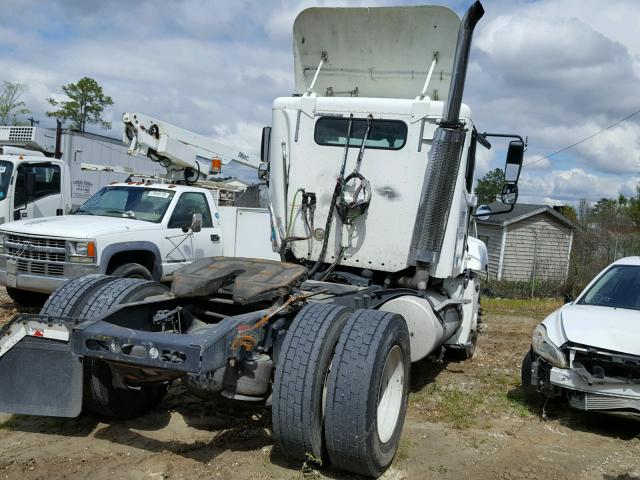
(618,287)
(128,202)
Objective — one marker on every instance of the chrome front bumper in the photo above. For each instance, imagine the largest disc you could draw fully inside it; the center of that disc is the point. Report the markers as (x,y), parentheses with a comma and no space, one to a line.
(41,283)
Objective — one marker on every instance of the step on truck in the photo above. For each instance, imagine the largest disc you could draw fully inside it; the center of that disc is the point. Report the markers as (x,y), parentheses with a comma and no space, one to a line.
(143,229)
(370,169)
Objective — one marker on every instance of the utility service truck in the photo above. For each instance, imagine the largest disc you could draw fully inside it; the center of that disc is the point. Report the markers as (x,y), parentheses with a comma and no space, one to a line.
(142,229)
(41,171)
(370,170)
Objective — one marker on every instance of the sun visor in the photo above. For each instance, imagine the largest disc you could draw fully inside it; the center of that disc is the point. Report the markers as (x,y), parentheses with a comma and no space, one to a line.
(382,52)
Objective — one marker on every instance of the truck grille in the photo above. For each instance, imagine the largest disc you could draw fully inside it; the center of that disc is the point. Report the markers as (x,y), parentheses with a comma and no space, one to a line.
(37,255)
(589,401)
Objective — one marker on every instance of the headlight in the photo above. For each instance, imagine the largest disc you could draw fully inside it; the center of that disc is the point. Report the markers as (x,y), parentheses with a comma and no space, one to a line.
(82,252)
(2,242)
(544,347)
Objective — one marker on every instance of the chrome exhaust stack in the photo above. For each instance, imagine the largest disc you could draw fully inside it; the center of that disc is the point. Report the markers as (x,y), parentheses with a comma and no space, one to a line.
(444,158)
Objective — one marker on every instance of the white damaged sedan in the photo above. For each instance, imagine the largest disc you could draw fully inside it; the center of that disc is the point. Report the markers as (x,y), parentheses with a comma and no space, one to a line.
(589,349)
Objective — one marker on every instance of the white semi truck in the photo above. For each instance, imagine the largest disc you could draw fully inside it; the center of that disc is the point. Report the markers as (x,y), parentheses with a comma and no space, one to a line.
(137,229)
(370,170)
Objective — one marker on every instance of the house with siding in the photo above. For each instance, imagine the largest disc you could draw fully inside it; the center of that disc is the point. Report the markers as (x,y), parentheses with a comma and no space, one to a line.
(530,241)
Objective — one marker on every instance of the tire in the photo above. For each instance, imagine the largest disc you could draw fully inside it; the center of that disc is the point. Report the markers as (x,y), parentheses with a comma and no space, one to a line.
(373,353)
(531,393)
(68,298)
(100,395)
(26,298)
(132,270)
(299,384)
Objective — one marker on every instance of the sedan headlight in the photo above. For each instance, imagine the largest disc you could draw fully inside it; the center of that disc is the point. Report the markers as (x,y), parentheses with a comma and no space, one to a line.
(544,347)
(82,252)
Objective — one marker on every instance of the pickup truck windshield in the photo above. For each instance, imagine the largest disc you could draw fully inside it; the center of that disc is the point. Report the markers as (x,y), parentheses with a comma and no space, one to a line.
(6,169)
(619,287)
(146,204)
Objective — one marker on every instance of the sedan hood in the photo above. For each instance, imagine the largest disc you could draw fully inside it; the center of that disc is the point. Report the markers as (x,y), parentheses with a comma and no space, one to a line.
(77,226)
(616,329)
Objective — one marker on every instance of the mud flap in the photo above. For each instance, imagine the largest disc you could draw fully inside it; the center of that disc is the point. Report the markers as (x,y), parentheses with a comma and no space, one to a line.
(39,376)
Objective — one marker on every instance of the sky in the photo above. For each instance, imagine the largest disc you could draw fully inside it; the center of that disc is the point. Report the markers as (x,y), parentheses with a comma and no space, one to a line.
(556,71)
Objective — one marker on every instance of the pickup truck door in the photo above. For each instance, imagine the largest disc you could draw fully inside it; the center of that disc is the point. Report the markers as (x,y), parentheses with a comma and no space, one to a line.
(182,247)
(46,199)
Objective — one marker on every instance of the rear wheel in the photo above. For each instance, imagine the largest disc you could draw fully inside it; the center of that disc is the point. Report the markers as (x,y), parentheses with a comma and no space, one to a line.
(26,298)
(132,270)
(68,299)
(106,393)
(89,297)
(299,392)
(367,391)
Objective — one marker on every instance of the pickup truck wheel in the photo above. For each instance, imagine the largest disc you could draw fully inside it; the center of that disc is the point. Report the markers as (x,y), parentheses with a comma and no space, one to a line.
(102,395)
(299,383)
(132,270)
(367,392)
(531,393)
(26,298)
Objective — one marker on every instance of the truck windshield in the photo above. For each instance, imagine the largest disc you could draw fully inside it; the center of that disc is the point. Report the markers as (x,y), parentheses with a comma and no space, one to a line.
(6,169)
(619,287)
(128,202)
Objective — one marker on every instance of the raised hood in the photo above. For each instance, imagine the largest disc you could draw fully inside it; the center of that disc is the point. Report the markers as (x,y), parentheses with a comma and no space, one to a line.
(77,226)
(615,329)
(383,52)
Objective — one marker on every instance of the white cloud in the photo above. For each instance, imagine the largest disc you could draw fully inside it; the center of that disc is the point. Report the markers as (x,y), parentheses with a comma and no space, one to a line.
(573,185)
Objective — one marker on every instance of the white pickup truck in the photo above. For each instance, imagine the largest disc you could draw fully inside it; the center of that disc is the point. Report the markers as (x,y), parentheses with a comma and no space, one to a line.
(145,230)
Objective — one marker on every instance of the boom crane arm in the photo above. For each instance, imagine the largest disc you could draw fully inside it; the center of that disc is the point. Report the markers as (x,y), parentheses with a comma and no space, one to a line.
(176,148)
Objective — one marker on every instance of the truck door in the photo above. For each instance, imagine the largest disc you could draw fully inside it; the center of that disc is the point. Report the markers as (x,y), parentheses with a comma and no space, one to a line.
(184,247)
(45,199)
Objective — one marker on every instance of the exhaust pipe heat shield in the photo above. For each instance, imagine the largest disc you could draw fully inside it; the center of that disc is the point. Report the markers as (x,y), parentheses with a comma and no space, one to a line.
(437,195)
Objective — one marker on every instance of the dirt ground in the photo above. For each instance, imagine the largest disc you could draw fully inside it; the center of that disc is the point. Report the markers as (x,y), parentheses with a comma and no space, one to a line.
(465,420)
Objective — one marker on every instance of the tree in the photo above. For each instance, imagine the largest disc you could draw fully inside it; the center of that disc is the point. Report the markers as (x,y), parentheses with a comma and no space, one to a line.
(85,105)
(490,186)
(569,211)
(10,104)
(633,208)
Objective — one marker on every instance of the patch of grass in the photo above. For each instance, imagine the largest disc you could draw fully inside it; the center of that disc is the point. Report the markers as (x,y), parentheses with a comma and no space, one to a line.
(473,406)
(534,307)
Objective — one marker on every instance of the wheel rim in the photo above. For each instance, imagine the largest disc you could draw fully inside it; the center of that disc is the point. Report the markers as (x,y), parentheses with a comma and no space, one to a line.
(390,394)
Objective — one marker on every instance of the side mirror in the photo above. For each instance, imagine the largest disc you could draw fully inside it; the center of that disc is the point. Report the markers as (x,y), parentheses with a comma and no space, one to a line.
(515,155)
(568,298)
(196,222)
(264,146)
(509,193)
(263,172)
(29,183)
(483,212)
